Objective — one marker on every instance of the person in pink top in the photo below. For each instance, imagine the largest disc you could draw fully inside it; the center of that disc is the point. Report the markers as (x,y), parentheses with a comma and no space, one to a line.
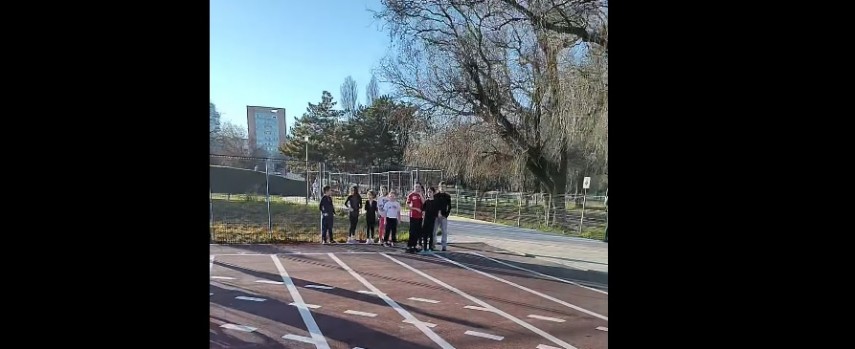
(415,201)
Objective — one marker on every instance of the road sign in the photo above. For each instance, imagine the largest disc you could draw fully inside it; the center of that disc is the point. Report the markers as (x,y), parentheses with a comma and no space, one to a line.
(586,183)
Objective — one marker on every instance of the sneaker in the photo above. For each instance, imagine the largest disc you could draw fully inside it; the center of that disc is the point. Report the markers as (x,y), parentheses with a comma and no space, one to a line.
(391,244)
(369,242)
(443,249)
(323,242)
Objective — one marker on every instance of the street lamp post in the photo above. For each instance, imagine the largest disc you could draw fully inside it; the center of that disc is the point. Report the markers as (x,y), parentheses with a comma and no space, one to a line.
(306,139)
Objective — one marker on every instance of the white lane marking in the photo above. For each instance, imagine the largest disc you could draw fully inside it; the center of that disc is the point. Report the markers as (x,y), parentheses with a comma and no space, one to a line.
(540,274)
(403,312)
(292,253)
(269,282)
(211,294)
(222,277)
(601,328)
(358,348)
(522,323)
(556,300)
(303,339)
(311,306)
(484,335)
(254,299)
(211,268)
(360,313)
(544,346)
(241,328)
(365,292)
(423,300)
(320,287)
(308,319)
(547,318)
(428,324)
(476,308)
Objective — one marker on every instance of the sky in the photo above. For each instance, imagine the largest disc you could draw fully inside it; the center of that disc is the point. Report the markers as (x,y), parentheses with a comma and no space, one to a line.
(284,53)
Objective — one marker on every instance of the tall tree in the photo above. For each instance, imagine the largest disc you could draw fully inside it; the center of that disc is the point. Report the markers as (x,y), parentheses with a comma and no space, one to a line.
(372,91)
(503,65)
(213,119)
(320,123)
(349,96)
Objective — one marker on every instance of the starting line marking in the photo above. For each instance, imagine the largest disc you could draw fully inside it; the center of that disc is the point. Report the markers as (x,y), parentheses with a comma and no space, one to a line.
(544,346)
(270,282)
(601,328)
(484,335)
(222,277)
(547,318)
(241,328)
(423,300)
(310,306)
(254,299)
(366,292)
(428,324)
(477,308)
(360,313)
(303,339)
(320,287)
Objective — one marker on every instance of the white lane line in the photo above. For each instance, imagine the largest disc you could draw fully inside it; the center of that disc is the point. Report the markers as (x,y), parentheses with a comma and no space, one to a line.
(547,318)
(544,346)
(319,340)
(484,335)
(303,339)
(358,348)
(423,300)
(211,268)
(556,300)
(310,306)
(269,282)
(601,328)
(254,299)
(476,308)
(241,328)
(222,277)
(292,253)
(428,324)
(365,292)
(540,274)
(360,313)
(403,312)
(522,323)
(320,287)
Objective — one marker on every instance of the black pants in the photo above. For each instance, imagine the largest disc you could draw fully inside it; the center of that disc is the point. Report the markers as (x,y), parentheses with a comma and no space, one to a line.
(369,227)
(326,228)
(415,231)
(391,230)
(427,233)
(354,219)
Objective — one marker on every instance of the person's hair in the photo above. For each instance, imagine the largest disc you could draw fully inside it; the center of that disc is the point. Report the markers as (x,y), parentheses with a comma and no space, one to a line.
(441,183)
(384,187)
(371,193)
(432,189)
(355,189)
(326,188)
(393,192)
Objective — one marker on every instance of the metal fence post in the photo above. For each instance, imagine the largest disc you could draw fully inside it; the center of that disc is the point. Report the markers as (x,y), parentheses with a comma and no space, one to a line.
(211,224)
(496,209)
(519,209)
(582,216)
(267,194)
(456,200)
(475,208)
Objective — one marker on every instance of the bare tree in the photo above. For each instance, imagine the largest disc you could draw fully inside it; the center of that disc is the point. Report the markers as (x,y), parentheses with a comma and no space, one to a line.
(495,63)
(372,91)
(349,96)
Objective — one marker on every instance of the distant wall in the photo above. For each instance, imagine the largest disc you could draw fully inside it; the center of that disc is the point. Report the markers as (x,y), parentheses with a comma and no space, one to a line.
(231,180)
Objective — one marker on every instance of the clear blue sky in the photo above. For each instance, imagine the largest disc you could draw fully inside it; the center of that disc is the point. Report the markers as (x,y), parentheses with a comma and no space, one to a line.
(284,53)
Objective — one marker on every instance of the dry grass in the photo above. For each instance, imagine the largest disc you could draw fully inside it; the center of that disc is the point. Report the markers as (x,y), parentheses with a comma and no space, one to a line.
(245,221)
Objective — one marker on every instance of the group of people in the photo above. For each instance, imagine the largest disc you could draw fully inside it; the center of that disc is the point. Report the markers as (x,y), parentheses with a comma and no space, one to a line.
(428,212)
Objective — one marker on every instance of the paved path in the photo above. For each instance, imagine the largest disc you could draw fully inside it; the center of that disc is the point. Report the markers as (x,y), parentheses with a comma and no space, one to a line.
(358,296)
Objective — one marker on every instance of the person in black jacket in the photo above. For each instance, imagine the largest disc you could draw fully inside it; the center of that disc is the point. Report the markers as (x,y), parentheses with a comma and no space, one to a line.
(430,211)
(353,204)
(443,200)
(327,214)
(370,216)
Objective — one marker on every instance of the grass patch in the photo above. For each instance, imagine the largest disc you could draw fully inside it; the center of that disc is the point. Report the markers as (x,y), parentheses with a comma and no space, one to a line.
(244,220)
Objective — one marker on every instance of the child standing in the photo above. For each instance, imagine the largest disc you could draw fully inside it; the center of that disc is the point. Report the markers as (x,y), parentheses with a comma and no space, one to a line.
(327,214)
(353,204)
(414,202)
(381,203)
(393,215)
(430,212)
(370,217)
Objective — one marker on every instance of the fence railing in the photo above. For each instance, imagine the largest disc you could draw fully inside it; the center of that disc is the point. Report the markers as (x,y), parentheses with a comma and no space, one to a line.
(259,200)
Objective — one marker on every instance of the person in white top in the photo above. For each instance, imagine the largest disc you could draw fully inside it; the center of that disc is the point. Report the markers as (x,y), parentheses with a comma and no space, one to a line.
(392,212)
(381,202)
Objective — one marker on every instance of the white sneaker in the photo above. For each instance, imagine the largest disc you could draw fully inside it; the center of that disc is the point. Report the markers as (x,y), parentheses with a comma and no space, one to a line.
(369,242)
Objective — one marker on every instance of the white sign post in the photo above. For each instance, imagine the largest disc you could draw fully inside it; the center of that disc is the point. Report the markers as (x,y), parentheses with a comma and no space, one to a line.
(586,183)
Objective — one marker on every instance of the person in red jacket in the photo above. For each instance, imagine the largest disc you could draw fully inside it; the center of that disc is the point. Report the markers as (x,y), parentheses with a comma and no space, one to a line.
(415,200)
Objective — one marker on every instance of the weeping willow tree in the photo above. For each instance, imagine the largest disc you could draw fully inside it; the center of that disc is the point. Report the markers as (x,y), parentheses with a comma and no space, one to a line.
(507,83)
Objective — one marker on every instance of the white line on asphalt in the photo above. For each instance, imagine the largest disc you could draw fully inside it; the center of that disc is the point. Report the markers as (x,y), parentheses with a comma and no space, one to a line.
(318,338)
(601,328)
(222,277)
(310,306)
(522,323)
(484,335)
(320,287)
(211,268)
(303,339)
(241,328)
(254,299)
(360,313)
(556,300)
(544,346)
(269,282)
(428,324)
(540,274)
(476,308)
(423,300)
(547,318)
(403,312)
